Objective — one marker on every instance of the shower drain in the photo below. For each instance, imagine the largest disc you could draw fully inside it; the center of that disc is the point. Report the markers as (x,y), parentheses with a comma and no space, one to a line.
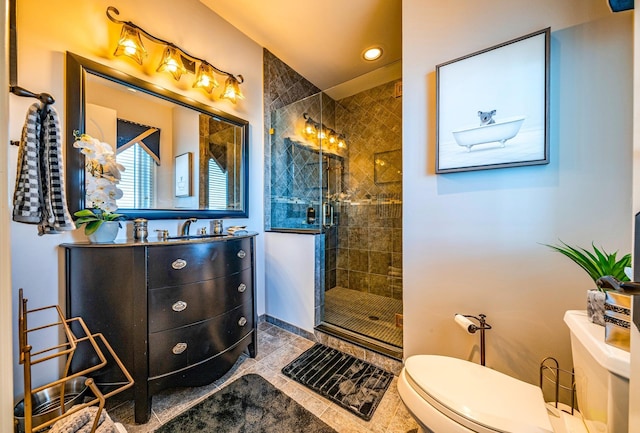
(374,318)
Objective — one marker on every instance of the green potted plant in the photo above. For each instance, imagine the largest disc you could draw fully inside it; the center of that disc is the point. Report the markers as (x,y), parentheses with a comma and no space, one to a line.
(93,219)
(597,263)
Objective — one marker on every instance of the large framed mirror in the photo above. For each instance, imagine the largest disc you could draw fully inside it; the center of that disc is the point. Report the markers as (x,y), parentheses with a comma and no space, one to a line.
(182,158)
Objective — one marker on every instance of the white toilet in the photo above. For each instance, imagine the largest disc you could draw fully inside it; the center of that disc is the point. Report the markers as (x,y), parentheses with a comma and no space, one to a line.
(450,395)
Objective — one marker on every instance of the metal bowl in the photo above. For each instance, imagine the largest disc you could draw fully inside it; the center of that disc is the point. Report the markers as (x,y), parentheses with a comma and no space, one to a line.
(46,403)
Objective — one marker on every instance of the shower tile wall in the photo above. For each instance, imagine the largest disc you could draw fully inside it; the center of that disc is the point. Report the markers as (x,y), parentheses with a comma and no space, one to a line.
(299,178)
(364,250)
(282,87)
(369,242)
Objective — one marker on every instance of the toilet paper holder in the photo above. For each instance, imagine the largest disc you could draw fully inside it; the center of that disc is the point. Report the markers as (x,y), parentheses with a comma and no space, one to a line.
(471,328)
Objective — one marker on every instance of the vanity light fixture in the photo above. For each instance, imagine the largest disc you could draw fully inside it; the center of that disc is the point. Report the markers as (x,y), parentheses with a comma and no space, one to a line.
(205,78)
(232,89)
(130,44)
(172,62)
(174,59)
(315,130)
(373,53)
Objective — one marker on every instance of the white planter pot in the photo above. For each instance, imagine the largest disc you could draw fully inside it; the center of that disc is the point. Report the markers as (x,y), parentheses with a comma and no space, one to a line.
(106,233)
(595,306)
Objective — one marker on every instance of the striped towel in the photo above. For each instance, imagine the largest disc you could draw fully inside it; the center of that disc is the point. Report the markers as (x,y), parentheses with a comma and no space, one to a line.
(39,196)
(82,422)
(27,194)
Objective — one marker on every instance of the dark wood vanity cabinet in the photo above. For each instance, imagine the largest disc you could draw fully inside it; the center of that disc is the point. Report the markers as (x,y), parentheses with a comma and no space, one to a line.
(177,314)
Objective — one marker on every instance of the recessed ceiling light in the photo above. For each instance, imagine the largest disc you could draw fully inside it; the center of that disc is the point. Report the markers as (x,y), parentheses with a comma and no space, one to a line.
(372,53)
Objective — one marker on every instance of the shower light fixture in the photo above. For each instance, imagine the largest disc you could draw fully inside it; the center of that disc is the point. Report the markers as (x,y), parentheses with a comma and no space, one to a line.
(174,59)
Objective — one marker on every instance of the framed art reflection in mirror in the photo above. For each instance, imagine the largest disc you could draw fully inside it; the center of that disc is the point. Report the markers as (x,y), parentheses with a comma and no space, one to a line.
(150,128)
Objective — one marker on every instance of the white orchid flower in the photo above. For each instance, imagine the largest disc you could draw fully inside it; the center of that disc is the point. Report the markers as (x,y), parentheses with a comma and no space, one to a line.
(103,174)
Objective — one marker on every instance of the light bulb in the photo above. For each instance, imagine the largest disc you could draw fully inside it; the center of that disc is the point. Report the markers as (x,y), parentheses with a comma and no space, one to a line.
(232,90)
(130,44)
(372,53)
(172,63)
(205,78)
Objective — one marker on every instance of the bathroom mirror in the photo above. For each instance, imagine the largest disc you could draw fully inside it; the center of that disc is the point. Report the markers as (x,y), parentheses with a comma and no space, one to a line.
(150,129)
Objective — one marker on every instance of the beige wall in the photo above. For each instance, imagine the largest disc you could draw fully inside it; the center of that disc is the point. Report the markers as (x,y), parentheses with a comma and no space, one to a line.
(46,30)
(6,301)
(472,240)
(634,397)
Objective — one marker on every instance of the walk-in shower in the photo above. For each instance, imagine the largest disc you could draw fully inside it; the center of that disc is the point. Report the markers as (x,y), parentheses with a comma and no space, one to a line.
(335,170)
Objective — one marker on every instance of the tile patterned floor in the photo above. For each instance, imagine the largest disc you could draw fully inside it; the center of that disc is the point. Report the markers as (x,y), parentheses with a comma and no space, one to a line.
(364,313)
(276,348)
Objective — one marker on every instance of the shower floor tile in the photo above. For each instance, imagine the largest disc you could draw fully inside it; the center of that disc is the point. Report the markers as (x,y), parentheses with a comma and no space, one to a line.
(364,313)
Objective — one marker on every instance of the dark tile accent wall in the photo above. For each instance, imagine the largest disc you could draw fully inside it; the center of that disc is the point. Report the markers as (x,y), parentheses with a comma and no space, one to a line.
(282,87)
(369,248)
(364,251)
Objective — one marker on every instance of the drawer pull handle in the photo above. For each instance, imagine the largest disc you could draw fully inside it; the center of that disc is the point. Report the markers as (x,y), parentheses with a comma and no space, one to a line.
(179,306)
(242,321)
(179,264)
(242,254)
(242,287)
(179,348)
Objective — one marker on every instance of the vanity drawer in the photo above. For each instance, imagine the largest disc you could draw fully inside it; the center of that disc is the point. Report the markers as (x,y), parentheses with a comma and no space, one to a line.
(175,306)
(171,265)
(179,348)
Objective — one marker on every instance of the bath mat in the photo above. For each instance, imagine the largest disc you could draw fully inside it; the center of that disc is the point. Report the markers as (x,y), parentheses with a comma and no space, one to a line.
(249,404)
(352,383)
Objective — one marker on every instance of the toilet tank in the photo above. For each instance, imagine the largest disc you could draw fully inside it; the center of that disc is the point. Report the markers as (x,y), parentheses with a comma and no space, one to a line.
(601,374)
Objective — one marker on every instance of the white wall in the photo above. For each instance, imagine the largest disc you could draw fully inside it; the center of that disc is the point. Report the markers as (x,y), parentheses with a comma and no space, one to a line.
(140,108)
(472,241)
(46,30)
(290,282)
(186,138)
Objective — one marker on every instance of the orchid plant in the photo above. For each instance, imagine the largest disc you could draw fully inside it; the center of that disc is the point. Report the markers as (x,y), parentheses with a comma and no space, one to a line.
(102,176)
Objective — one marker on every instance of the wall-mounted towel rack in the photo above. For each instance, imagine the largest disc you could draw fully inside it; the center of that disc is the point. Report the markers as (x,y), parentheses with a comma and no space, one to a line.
(45,98)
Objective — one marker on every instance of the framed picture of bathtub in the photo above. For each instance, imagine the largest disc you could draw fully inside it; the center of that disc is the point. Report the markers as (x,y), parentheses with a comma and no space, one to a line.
(493,107)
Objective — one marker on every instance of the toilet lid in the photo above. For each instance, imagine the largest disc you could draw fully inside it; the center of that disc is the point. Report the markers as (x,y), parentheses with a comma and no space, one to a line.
(472,394)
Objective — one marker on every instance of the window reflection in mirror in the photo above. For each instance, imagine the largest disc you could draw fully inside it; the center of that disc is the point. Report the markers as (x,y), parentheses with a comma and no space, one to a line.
(219,166)
(148,179)
(100,99)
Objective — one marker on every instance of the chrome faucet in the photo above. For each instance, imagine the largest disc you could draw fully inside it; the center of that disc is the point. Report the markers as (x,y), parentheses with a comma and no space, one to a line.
(184,231)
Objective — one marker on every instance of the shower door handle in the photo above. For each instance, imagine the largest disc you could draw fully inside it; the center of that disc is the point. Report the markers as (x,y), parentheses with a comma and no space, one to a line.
(327,214)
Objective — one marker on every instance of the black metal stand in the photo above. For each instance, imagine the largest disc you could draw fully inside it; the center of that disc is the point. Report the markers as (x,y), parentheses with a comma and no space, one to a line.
(482,327)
